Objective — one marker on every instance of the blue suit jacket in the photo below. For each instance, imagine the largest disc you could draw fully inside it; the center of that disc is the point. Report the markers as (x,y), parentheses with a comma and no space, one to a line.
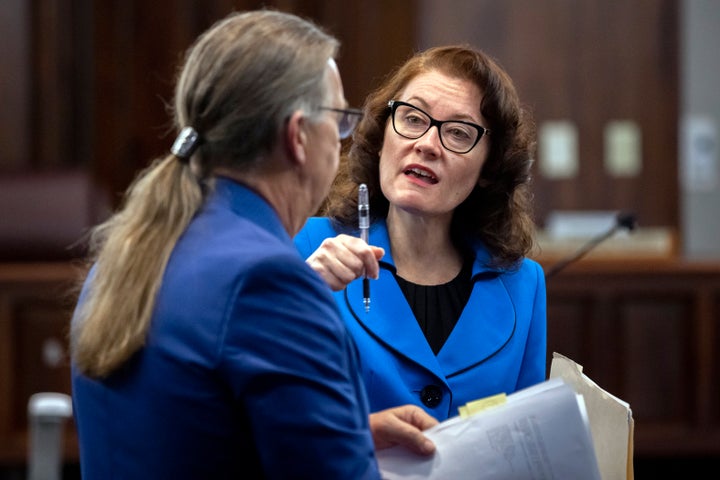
(248,370)
(498,344)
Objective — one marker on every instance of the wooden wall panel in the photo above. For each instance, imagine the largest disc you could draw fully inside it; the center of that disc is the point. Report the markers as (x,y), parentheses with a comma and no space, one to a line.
(35,307)
(85,85)
(588,62)
(657,334)
(93,79)
(140,45)
(708,365)
(15,83)
(648,333)
(568,330)
(41,348)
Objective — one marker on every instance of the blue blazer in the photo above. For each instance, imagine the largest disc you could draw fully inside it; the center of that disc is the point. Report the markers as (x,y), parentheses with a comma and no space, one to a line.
(498,344)
(248,370)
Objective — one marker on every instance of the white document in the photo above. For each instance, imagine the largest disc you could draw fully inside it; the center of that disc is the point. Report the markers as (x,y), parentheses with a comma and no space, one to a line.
(541,432)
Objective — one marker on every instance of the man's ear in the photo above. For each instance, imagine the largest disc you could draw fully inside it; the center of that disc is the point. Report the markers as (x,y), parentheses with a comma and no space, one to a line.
(295,137)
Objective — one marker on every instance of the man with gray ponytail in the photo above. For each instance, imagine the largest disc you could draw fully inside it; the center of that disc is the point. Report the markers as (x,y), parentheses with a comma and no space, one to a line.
(203,346)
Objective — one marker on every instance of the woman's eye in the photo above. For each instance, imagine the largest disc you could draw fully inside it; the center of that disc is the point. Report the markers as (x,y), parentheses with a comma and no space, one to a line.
(414,120)
(459,133)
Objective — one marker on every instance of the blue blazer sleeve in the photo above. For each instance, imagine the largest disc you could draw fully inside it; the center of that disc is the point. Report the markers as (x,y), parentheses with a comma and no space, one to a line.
(297,374)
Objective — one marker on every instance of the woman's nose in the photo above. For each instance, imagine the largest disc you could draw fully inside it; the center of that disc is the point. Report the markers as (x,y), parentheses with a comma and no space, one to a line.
(430,142)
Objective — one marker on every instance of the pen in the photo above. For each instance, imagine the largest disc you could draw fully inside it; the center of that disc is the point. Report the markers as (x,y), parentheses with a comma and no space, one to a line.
(364,224)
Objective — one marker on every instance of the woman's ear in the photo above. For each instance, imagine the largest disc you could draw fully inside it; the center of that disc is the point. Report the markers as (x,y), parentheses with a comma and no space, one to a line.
(295,137)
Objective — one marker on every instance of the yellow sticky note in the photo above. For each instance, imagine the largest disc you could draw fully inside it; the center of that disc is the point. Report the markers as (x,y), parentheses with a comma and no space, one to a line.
(471,408)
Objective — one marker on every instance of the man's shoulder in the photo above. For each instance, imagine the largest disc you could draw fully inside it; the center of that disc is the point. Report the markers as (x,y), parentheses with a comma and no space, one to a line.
(315,230)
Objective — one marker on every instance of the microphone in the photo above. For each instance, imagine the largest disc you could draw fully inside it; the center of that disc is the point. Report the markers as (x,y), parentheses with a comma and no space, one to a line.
(626,221)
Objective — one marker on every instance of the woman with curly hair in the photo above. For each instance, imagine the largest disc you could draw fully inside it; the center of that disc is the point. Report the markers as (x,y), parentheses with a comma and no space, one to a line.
(457,312)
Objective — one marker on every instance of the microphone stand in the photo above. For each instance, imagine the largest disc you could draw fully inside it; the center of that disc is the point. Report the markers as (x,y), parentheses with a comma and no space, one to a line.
(622,221)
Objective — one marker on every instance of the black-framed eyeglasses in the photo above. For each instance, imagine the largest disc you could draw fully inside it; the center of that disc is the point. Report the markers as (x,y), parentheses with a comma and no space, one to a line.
(347,120)
(455,135)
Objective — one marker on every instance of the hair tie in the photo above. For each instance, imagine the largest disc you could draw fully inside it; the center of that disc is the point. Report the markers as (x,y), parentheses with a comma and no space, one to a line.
(185,144)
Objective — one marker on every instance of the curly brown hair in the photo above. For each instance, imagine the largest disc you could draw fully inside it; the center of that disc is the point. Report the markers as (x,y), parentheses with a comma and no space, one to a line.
(498,212)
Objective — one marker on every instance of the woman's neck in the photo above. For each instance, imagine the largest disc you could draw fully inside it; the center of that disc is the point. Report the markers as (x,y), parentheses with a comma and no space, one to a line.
(422,248)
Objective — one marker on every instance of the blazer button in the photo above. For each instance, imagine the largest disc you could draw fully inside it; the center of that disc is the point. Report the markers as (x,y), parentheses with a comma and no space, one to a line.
(431,396)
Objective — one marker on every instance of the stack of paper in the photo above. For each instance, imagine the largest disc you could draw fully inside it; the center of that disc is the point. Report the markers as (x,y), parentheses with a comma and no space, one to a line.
(564,428)
(539,432)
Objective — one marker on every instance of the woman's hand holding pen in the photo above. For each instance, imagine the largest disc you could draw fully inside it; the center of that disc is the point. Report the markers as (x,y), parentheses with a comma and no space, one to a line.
(342,259)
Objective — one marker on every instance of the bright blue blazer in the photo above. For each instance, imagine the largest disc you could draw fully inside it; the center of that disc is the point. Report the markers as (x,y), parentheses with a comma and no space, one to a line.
(498,344)
(248,370)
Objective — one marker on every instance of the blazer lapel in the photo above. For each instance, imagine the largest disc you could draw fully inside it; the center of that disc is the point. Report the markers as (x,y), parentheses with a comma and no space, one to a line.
(390,320)
(486,325)
(484,328)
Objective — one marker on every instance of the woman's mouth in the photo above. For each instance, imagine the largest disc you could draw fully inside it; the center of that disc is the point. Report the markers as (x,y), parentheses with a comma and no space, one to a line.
(421,174)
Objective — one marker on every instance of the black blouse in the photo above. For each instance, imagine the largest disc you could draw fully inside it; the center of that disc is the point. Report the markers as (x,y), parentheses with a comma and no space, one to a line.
(438,307)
